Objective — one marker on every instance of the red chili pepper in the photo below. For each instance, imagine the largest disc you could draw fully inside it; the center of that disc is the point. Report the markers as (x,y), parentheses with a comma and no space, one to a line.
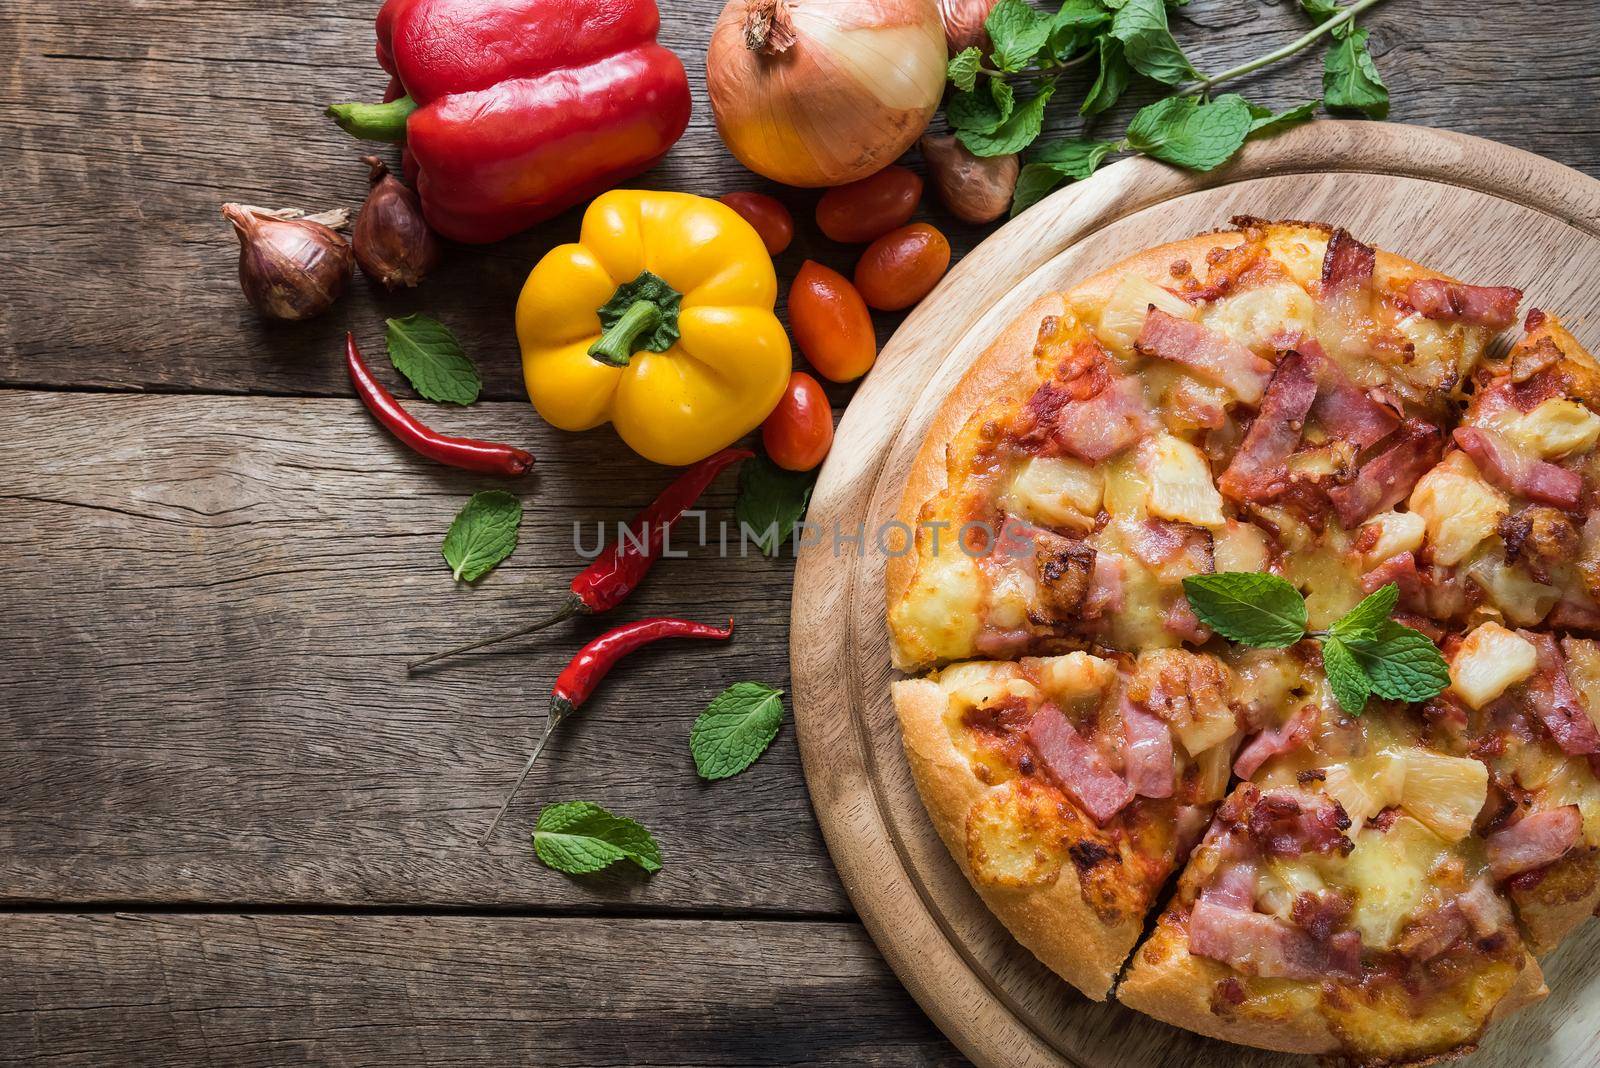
(591,664)
(615,574)
(466,453)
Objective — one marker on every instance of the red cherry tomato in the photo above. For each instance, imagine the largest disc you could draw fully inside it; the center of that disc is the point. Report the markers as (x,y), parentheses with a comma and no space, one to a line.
(831,323)
(769,217)
(866,210)
(799,432)
(899,268)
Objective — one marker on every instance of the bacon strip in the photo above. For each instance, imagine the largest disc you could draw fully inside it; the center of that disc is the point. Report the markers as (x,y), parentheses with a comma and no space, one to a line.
(1078,766)
(1537,839)
(1341,407)
(1536,480)
(1431,933)
(1347,263)
(1388,478)
(1270,743)
(1258,471)
(1108,416)
(1253,942)
(1553,700)
(1400,569)
(1492,306)
(1146,752)
(1207,353)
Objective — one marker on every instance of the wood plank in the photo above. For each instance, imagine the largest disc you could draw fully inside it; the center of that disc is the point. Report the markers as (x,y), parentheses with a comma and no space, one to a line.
(359,990)
(208,606)
(121,135)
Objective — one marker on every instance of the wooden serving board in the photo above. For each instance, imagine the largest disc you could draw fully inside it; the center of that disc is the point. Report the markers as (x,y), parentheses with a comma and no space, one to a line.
(1472,208)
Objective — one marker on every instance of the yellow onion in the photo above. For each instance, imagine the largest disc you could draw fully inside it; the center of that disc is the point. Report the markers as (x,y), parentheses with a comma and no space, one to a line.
(824,92)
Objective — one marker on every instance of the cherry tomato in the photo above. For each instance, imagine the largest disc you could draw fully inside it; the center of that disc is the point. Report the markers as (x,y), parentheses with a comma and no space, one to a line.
(831,323)
(769,217)
(899,268)
(799,432)
(866,210)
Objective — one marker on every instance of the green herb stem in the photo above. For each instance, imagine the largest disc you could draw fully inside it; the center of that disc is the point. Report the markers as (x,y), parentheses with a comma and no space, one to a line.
(1299,44)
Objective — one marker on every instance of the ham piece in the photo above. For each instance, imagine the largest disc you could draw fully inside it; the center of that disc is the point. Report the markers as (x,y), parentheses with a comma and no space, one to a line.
(1079,767)
(1348,264)
(1400,569)
(1388,477)
(1341,407)
(1093,420)
(1537,839)
(1270,743)
(1264,945)
(1551,697)
(1536,480)
(1484,909)
(1205,352)
(1146,752)
(1259,471)
(1492,306)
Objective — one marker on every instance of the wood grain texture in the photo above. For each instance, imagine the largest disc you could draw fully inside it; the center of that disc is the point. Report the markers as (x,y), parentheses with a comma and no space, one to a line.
(208,605)
(122,130)
(245,991)
(1493,215)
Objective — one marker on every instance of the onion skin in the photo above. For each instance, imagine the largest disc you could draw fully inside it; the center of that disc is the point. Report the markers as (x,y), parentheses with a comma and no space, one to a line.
(963,23)
(974,188)
(802,94)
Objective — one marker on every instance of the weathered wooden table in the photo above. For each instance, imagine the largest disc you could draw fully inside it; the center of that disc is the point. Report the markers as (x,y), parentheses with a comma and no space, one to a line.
(231,830)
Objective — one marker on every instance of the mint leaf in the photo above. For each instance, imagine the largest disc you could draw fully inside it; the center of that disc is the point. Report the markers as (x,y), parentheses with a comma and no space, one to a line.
(1248,607)
(1349,682)
(428,354)
(1403,664)
(1320,10)
(1264,122)
(770,502)
(1018,131)
(1111,82)
(1350,79)
(1055,163)
(579,837)
(735,729)
(1074,27)
(1365,618)
(982,110)
(962,70)
(483,534)
(1018,32)
(1141,26)
(1185,132)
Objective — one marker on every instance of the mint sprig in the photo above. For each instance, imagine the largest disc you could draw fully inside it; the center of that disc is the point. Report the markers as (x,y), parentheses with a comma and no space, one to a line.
(735,729)
(580,837)
(1364,653)
(1128,40)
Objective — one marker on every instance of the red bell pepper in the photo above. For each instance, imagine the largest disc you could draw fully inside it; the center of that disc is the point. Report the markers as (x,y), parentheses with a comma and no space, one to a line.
(515,110)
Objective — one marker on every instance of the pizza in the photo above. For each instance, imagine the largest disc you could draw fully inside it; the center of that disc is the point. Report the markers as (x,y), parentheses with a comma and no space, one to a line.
(1207,829)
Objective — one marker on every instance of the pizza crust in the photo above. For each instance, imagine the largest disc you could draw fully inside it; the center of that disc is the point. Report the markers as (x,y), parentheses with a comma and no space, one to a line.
(1052,921)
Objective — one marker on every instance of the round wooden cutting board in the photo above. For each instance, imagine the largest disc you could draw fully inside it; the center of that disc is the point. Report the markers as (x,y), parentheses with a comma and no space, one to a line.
(1474,209)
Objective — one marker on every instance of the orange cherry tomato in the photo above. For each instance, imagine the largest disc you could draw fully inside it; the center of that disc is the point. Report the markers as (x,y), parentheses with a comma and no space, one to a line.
(867,209)
(769,217)
(799,432)
(831,323)
(899,268)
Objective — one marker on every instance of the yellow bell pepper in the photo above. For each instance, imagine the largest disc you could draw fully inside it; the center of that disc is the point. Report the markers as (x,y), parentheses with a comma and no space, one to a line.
(659,320)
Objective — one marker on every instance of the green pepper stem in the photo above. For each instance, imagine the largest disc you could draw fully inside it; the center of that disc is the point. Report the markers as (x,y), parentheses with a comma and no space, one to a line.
(374,122)
(616,346)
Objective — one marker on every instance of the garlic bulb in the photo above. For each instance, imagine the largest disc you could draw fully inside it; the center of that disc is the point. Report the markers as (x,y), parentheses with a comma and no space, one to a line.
(823,92)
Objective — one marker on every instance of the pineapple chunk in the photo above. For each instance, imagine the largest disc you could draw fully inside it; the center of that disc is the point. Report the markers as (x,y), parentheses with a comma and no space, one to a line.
(1398,532)
(1446,793)
(1366,786)
(982,684)
(1056,492)
(1071,677)
(1389,874)
(1180,486)
(1511,589)
(1122,317)
(1258,317)
(1583,668)
(1237,546)
(1459,508)
(1558,427)
(1010,837)
(1490,660)
(1012,592)
(939,617)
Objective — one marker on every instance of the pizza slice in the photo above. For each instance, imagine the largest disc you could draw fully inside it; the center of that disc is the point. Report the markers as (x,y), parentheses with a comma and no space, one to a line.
(1341,903)
(1070,787)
